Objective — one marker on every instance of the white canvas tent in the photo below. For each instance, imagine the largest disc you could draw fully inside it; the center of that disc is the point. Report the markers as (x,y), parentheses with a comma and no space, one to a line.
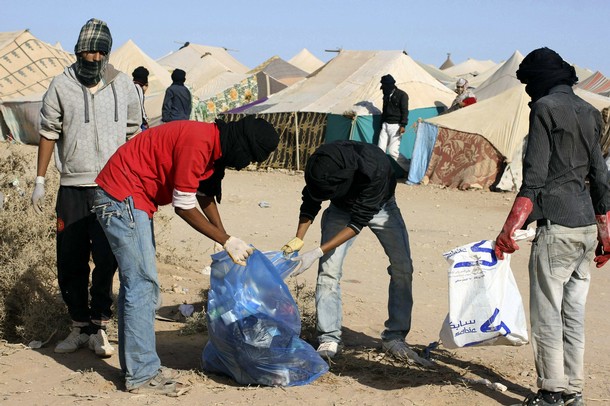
(128,57)
(438,74)
(306,61)
(347,91)
(503,121)
(350,81)
(505,77)
(27,68)
(469,68)
(187,57)
(280,70)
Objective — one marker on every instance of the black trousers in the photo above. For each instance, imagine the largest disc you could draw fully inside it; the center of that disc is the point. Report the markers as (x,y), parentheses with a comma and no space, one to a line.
(80,238)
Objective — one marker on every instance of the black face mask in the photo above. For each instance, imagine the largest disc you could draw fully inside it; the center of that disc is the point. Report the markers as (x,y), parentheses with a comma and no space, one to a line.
(90,73)
(387,89)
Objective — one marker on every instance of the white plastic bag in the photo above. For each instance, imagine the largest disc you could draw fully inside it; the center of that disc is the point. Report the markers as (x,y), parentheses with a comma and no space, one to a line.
(485,306)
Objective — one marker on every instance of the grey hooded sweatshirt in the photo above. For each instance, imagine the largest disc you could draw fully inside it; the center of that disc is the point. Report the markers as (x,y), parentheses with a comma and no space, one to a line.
(88,127)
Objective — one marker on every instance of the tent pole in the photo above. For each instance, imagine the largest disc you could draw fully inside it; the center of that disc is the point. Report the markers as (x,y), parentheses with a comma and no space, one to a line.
(296,132)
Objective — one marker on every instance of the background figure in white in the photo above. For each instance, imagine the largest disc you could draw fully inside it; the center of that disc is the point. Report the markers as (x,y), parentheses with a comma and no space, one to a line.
(394,119)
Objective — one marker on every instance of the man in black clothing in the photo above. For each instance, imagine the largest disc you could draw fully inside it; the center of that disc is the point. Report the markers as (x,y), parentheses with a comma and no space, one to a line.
(358,180)
(394,119)
(177,103)
(562,152)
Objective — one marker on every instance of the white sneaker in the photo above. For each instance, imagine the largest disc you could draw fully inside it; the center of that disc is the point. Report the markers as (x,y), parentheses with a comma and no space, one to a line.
(99,344)
(328,349)
(401,351)
(73,342)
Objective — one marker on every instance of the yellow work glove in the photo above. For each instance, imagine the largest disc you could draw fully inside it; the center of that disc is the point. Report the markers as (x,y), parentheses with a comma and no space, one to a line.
(293,245)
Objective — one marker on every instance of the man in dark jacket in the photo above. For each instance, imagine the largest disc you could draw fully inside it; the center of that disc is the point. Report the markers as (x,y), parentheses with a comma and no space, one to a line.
(359,181)
(563,151)
(177,102)
(394,119)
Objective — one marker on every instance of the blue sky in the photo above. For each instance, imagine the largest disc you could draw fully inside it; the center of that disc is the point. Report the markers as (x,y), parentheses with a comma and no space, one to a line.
(257,30)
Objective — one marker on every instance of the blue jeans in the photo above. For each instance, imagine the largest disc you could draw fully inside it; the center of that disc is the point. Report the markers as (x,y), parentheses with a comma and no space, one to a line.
(131,237)
(559,283)
(389,228)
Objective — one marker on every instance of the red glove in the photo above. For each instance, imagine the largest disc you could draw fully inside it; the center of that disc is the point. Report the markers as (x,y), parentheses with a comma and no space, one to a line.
(602,253)
(515,220)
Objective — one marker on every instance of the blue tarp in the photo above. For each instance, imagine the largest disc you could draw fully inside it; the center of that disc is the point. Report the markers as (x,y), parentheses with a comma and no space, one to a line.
(422,151)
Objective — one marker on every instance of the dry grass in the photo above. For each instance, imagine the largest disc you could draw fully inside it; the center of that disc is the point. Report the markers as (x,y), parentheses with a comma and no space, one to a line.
(31,307)
(30,304)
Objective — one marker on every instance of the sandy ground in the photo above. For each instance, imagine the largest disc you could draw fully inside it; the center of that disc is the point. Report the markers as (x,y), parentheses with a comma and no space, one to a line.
(437,219)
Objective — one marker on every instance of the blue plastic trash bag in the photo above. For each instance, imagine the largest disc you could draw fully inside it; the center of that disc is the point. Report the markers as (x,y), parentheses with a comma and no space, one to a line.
(254,324)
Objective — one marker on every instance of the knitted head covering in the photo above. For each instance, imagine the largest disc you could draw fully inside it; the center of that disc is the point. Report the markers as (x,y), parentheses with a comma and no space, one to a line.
(329,173)
(542,69)
(94,36)
(178,76)
(140,75)
(247,140)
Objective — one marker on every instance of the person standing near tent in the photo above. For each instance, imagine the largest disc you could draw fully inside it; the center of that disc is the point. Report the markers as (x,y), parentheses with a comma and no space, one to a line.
(563,152)
(181,163)
(177,102)
(87,113)
(394,119)
(465,96)
(359,181)
(140,79)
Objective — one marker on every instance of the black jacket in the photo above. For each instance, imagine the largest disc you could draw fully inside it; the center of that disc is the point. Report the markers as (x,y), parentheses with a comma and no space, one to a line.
(396,108)
(372,186)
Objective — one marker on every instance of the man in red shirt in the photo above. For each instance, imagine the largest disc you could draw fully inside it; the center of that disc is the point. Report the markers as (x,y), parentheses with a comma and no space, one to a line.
(181,163)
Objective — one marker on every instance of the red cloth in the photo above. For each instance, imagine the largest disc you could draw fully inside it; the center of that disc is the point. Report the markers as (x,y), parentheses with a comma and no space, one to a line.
(176,155)
(468,101)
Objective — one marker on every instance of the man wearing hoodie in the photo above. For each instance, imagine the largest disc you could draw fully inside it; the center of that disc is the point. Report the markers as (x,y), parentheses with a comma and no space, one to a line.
(177,102)
(359,181)
(87,112)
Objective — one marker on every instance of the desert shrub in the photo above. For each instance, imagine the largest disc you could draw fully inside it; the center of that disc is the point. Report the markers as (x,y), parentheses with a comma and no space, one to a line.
(305,298)
(30,304)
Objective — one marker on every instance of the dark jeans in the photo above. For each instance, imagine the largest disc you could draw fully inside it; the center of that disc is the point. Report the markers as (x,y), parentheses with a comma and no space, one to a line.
(79,238)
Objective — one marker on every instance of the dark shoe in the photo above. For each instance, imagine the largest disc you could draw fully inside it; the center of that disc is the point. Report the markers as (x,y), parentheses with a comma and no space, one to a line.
(539,399)
(573,399)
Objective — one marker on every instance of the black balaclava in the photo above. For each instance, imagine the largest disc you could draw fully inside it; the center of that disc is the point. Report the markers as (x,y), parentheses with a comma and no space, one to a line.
(388,84)
(329,173)
(241,142)
(178,76)
(542,69)
(94,36)
(247,140)
(140,75)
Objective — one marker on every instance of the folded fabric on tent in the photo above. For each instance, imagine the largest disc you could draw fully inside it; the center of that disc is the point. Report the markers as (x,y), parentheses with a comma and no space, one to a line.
(422,151)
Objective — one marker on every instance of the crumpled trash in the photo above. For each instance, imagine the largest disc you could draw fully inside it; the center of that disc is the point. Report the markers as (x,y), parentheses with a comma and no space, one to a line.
(186,309)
